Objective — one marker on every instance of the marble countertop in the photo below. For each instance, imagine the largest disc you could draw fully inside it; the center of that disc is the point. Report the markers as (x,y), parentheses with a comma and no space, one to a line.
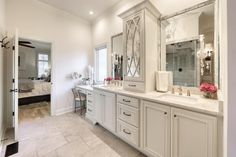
(203,105)
(85,87)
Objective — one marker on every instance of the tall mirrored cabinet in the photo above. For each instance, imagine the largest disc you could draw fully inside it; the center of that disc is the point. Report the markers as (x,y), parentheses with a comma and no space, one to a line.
(141,46)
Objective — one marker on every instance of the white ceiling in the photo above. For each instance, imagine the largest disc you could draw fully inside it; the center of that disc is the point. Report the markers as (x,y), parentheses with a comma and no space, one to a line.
(167,7)
(81,8)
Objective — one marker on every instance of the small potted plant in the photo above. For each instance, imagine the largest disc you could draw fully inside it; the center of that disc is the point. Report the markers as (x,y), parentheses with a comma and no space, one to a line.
(209,90)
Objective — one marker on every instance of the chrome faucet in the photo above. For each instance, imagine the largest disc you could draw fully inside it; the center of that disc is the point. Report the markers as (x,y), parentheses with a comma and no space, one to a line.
(188,93)
(173,90)
(180,90)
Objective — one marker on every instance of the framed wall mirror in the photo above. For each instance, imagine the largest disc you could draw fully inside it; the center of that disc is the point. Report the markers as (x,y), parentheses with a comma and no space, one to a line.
(117,56)
(190,48)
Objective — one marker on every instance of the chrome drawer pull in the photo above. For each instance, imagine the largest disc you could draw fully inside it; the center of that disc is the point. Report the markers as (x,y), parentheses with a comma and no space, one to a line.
(132,85)
(90,101)
(90,110)
(126,114)
(126,100)
(126,132)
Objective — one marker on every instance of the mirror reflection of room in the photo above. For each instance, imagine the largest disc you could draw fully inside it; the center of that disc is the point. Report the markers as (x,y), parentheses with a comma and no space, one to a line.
(34,64)
(189,44)
(117,56)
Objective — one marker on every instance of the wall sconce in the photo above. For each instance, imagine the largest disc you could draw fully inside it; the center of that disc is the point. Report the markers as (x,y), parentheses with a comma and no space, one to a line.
(201,54)
(205,55)
(208,58)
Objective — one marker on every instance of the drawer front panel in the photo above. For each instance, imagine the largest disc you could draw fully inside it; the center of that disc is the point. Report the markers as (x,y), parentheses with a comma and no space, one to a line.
(90,101)
(128,101)
(134,86)
(90,109)
(128,132)
(89,97)
(128,114)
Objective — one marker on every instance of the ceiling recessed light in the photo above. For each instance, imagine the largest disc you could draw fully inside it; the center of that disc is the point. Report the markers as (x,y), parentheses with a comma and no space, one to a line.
(91,12)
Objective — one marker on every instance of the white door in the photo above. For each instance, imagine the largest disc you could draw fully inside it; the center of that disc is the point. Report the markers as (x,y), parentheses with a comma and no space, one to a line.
(156,129)
(109,111)
(193,134)
(98,104)
(12,84)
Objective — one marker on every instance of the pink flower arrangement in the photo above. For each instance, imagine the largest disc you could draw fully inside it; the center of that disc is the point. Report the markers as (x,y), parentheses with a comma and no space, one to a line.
(108,79)
(208,88)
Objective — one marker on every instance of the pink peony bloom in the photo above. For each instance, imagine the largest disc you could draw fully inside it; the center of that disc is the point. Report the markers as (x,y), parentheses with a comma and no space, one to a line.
(109,79)
(208,87)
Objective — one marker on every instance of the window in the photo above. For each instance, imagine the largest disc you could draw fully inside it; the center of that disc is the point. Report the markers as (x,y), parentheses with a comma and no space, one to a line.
(101,63)
(42,64)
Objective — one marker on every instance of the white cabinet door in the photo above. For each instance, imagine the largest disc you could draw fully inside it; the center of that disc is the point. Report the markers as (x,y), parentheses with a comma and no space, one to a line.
(193,134)
(98,105)
(109,111)
(156,129)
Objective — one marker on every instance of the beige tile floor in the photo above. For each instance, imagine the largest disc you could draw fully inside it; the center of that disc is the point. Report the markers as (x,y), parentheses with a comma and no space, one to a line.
(69,135)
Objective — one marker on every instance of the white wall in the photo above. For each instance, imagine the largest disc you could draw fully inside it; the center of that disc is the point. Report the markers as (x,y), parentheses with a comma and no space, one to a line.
(70,37)
(2,101)
(231,74)
(224,67)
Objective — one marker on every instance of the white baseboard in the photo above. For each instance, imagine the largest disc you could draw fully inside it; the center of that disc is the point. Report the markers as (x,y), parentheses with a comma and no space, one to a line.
(64,110)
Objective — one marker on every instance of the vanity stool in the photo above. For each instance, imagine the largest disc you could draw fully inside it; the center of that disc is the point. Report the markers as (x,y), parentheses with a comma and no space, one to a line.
(79,97)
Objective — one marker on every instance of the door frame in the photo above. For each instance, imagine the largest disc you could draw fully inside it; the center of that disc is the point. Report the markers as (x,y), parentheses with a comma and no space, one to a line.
(53,87)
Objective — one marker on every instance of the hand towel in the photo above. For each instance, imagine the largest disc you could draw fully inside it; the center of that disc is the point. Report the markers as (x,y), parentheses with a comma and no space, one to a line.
(164,79)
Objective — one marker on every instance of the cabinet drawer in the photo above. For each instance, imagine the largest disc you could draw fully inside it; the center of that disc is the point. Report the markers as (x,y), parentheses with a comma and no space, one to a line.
(128,132)
(128,101)
(90,109)
(128,114)
(90,101)
(90,96)
(134,86)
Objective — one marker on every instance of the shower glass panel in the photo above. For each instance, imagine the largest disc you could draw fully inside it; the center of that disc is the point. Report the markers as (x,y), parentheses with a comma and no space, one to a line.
(181,59)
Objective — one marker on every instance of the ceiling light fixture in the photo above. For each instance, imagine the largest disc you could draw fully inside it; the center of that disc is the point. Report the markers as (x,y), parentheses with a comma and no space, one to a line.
(91,12)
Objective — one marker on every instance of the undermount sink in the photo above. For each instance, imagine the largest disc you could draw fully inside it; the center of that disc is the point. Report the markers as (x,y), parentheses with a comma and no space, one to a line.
(178,98)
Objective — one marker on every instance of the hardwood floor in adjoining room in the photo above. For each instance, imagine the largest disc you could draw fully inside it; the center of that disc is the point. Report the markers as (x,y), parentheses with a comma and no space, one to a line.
(69,135)
(34,111)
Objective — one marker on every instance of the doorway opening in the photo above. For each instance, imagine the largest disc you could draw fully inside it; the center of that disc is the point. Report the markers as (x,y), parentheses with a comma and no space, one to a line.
(34,79)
